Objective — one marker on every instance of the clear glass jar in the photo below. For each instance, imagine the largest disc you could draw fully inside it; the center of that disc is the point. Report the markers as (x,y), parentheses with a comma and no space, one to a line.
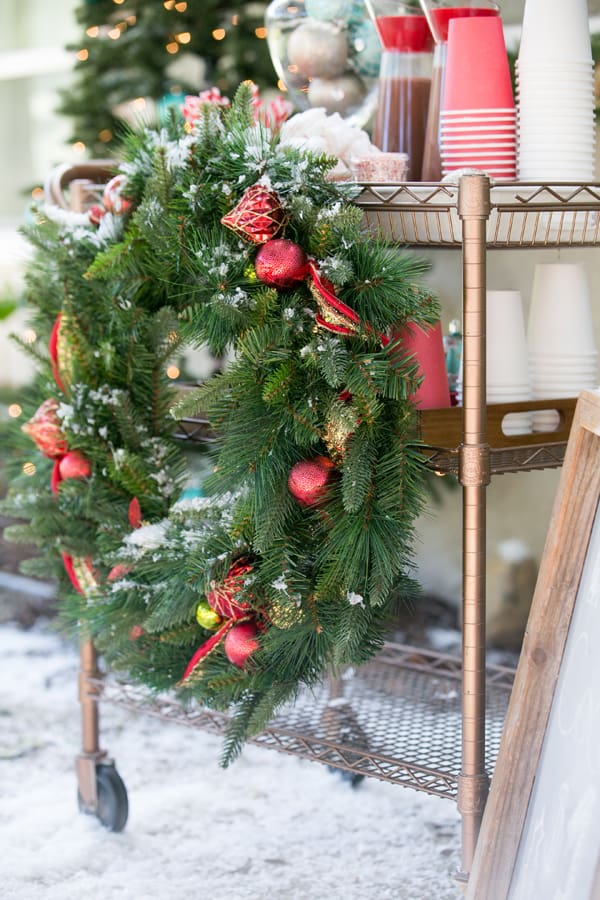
(326,54)
(438,14)
(404,80)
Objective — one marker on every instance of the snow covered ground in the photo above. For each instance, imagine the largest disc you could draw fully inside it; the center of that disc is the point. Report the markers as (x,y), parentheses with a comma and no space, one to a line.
(271,826)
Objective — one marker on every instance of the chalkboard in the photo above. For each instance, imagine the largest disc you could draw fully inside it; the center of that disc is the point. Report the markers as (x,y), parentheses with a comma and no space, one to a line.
(540,836)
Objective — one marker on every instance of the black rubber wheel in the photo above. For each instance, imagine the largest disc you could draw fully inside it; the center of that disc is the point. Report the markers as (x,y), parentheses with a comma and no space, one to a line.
(113,806)
(353,778)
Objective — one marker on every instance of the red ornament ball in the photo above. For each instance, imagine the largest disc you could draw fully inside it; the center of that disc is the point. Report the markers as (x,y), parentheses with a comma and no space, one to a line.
(281,263)
(308,480)
(74,465)
(241,643)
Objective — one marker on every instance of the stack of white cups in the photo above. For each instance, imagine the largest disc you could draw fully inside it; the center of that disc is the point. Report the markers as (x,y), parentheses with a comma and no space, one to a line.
(555,93)
(563,358)
(507,376)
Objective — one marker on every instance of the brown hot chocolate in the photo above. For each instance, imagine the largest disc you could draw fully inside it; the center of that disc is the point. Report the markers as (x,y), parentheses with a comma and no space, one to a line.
(401,119)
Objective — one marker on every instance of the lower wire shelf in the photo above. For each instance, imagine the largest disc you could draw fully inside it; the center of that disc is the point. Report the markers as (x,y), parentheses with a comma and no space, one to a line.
(396,718)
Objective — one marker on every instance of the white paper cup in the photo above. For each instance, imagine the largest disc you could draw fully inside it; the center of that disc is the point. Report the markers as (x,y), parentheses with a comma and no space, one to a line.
(550,174)
(545,421)
(568,104)
(560,315)
(564,363)
(561,161)
(553,66)
(547,171)
(508,396)
(556,383)
(507,355)
(517,423)
(560,376)
(555,31)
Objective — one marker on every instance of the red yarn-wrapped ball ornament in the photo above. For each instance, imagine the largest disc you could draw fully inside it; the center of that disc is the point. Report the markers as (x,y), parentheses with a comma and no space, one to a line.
(309,479)
(241,643)
(222,598)
(45,431)
(258,216)
(74,465)
(281,263)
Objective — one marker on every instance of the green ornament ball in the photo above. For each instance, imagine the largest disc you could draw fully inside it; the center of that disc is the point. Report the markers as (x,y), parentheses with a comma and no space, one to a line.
(365,48)
(168,102)
(357,12)
(328,9)
(206,617)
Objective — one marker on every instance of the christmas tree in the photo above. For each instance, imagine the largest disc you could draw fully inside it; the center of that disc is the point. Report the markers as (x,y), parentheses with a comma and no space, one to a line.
(135,50)
(220,230)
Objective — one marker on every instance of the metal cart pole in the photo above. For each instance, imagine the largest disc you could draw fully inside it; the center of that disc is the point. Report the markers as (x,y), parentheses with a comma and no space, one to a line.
(474,475)
(90,754)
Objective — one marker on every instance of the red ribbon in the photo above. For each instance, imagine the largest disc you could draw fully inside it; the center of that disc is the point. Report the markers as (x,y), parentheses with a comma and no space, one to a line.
(327,292)
(207,647)
(53,350)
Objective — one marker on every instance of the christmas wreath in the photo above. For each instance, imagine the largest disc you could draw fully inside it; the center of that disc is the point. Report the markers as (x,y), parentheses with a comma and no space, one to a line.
(218,231)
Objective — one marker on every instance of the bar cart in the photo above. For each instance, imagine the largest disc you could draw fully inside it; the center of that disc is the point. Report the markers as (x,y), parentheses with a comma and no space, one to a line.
(410,716)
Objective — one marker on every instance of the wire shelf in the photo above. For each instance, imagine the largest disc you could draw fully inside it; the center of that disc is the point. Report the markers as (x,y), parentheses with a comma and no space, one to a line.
(396,718)
(522,215)
(441,432)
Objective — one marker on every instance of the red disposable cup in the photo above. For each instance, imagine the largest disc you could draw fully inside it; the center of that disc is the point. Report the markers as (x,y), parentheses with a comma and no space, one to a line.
(495,113)
(427,346)
(492,143)
(477,73)
(480,153)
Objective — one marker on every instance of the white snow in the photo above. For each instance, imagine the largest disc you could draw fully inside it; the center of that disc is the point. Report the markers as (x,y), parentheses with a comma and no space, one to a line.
(269,826)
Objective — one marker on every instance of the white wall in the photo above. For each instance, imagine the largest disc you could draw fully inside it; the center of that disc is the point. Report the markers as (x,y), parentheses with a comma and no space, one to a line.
(33,135)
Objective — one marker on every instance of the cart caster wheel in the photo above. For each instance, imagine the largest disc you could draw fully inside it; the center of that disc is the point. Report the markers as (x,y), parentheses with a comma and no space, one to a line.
(113,807)
(352,778)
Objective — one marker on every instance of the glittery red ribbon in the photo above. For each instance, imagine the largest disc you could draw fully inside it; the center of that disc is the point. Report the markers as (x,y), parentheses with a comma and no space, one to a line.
(208,646)
(55,477)
(53,350)
(326,291)
(69,565)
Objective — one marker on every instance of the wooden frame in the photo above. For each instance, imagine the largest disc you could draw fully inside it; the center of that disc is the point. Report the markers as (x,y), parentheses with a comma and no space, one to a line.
(519,808)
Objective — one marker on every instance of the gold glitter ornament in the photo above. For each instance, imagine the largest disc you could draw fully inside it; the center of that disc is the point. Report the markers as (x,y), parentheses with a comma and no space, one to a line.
(250,273)
(284,615)
(336,433)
